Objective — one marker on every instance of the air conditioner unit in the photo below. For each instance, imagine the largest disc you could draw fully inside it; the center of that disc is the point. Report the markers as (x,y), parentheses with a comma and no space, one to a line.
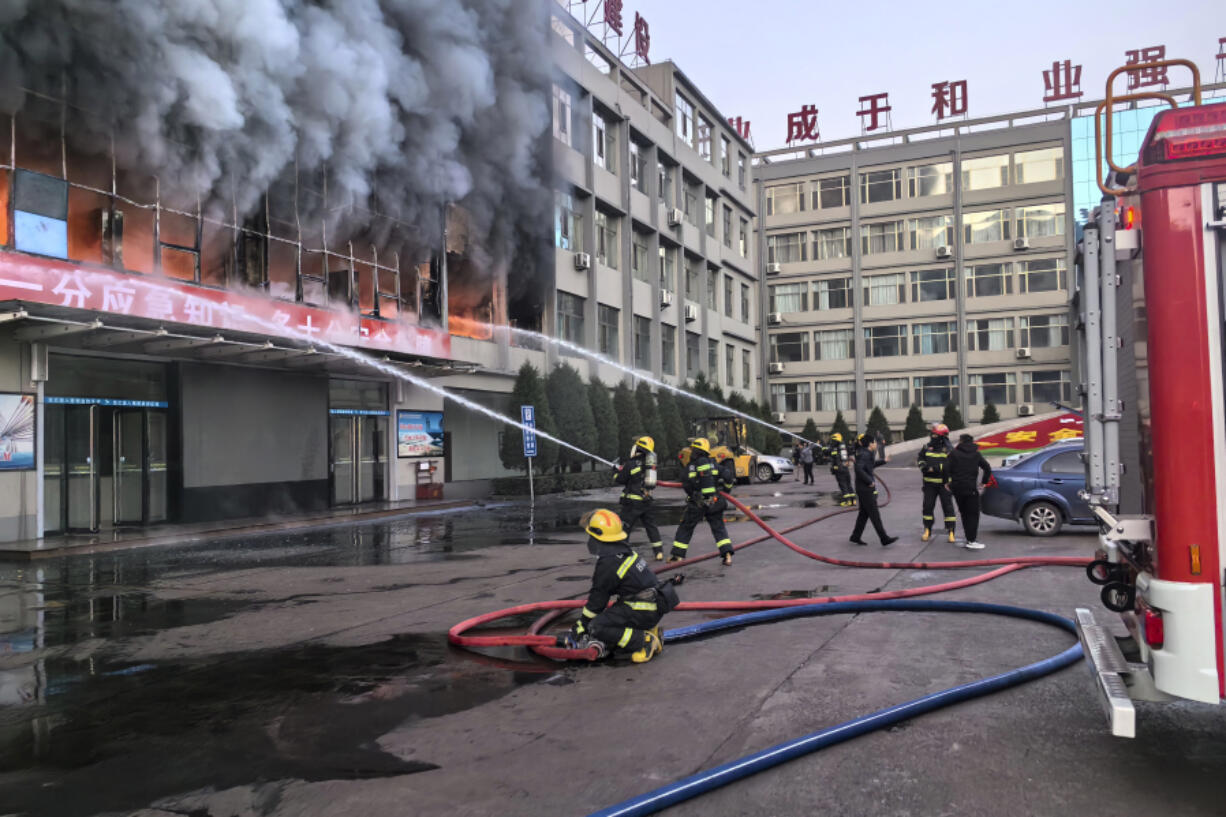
(1025,410)
(691,313)
(774,318)
(674,217)
(774,368)
(666,297)
(780,417)
(583,261)
(1021,243)
(1023,352)
(774,268)
(945,251)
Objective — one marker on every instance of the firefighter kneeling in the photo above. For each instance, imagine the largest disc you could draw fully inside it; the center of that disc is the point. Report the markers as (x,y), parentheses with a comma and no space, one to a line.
(632,623)
(703,481)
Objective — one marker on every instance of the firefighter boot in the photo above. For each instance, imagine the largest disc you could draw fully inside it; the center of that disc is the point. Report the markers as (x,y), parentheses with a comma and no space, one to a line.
(648,651)
(658,552)
(656,632)
(927,535)
(951,535)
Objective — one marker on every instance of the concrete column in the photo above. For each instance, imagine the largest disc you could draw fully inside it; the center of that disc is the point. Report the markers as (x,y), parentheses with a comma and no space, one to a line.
(960,283)
(860,415)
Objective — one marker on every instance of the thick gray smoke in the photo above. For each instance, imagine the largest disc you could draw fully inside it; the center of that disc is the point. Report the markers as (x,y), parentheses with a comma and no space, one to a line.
(402,105)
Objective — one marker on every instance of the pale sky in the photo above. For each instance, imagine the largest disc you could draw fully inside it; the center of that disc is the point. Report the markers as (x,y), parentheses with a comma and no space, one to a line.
(762,59)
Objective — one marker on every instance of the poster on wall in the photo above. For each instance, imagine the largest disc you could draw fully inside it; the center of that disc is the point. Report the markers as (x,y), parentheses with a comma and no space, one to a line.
(16,432)
(419,433)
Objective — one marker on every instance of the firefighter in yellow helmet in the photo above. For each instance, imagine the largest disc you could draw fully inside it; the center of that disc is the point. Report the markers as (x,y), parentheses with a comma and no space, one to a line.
(630,624)
(839,467)
(702,483)
(637,476)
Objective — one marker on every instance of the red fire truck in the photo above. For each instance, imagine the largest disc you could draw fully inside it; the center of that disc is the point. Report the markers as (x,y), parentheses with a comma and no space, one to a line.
(1152,309)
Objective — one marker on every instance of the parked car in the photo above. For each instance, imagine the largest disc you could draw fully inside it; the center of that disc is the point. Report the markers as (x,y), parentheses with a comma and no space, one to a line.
(770,469)
(1042,490)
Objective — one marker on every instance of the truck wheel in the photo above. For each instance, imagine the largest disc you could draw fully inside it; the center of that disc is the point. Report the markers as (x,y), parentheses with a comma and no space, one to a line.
(1042,519)
(765,472)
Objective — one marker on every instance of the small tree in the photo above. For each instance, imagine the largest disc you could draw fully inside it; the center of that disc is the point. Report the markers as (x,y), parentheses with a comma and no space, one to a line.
(810,432)
(573,416)
(529,390)
(840,427)
(629,423)
(916,427)
(772,441)
(878,426)
(674,429)
(990,415)
(690,408)
(952,417)
(605,419)
(649,414)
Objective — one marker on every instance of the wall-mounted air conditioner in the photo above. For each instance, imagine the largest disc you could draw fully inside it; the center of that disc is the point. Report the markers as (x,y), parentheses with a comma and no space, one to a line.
(1023,352)
(583,261)
(774,268)
(945,251)
(674,217)
(780,417)
(666,298)
(691,313)
(774,318)
(774,368)
(1021,243)
(1025,410)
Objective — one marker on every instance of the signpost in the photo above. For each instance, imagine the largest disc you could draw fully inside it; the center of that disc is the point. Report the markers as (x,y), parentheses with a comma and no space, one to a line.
(527,416)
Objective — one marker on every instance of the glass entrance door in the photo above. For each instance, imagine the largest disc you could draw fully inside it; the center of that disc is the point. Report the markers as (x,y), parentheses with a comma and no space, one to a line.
(372,437)
(359,462)
(128,466)
(343,473)
(81,473)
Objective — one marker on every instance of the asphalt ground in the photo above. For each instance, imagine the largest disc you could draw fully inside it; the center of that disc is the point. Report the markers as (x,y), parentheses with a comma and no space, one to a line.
(309,674)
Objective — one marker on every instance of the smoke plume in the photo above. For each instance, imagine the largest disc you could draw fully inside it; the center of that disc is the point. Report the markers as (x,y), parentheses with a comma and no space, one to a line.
(400,105)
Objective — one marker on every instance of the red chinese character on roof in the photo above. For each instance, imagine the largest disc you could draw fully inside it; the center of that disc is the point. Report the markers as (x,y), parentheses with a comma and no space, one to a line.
(874,111)
(1148,74)
(642,38)
(802,125)
(741,126)
(1221,59)
(1063,81)
(613,15)
(949,99)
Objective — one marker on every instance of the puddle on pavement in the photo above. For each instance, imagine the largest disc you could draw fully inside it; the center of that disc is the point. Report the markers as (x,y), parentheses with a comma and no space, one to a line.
(817,592)
(96,737)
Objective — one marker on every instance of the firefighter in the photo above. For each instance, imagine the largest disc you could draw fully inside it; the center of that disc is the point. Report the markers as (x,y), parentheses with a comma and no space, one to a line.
(702,485)
(838,467)
(933,462)
(637,476)
(632,623)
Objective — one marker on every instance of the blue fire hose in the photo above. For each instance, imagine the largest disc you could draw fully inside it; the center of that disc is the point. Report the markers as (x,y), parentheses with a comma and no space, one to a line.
(703,782)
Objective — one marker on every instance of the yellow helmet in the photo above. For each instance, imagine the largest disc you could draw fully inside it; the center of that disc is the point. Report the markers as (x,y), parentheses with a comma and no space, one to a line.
(701,444)
(837,437)
(646,443)
(604,525)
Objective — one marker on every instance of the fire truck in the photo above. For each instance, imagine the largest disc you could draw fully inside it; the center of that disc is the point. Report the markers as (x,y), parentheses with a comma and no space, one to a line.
(1151,305)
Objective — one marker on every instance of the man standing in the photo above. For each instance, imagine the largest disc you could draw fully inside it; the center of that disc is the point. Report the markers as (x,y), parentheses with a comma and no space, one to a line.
(806,462)
(866,493)
(637,476)
(965,463)
(933,462)
(702,485)
(839,467)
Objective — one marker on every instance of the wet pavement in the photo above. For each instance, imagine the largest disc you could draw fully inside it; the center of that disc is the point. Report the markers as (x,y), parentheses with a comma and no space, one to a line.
(310,673)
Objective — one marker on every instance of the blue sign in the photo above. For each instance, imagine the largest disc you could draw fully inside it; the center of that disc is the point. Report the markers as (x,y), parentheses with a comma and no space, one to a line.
(527,415)
(359,412)
(419,433)
(104,401)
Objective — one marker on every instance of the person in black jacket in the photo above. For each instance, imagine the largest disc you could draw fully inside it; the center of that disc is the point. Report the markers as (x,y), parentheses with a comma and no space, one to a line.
(702,482)
(933,462)
(965,463)
(866,463)
(637,476)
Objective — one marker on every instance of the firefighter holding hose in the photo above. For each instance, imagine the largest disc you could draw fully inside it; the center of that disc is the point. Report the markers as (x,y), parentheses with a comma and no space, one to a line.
(702,482)
(637,476)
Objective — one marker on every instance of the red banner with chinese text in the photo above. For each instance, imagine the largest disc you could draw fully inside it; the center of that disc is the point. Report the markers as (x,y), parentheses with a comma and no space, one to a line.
(1033,436)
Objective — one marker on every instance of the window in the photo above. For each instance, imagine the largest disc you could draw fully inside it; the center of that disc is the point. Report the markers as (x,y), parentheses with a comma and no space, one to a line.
(604,145)
(883,237)
(691,353)
(931,232)
(985,172)
(880,185)
(725,156)
(727,296)
(784,199)
(833,344)
(740,169)
(638,176)
(745,304)
(570,317)
(989,334)
(684,118)
(787,397)
(1040,220)
(1046,165)
(668,349)
(562,116)
(835,395)
(1045,387)
(729,363)
(888,393)
(691,279)
(990,225)
(567,222)
(638,257)
(710,213)
(828,193)
(932,285)
(1066,462)
(934,338)
(606,239)
(997,388)
(743,243)
(562,29)
(930,180)
(785,248)
(713,360)
(934,391)
(642,342)
(832,243)
(1043,331)
(703,144)
(1044,275)
(712,289)
(789,298)
(727,226)
(668,276)
(664,185)
(597,59)
(883,290)
(691,205)
(832,293)
(609,321)
(983,280)
(885,341)
(746,369)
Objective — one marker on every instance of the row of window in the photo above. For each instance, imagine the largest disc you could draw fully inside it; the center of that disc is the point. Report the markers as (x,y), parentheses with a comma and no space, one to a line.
(937,179)
(929,338)
(568,229)
(928,232)
(998,388)
(695,129)
(920,286)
